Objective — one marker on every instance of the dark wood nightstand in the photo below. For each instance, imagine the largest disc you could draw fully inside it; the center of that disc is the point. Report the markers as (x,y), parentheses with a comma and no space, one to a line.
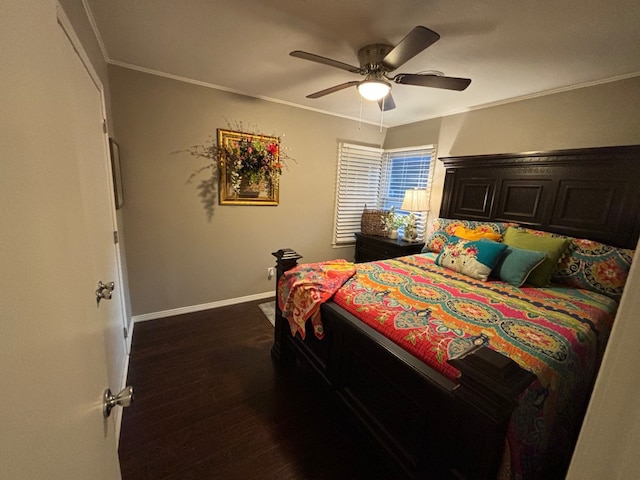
(372,247)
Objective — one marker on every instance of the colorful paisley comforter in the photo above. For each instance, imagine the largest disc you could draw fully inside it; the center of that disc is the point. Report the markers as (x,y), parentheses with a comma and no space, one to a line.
(559,334)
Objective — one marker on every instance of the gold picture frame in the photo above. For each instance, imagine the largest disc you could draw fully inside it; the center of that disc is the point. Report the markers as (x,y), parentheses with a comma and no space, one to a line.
(239,153)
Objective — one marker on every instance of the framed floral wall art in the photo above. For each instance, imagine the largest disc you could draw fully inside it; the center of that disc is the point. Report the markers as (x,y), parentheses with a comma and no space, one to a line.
(250,168)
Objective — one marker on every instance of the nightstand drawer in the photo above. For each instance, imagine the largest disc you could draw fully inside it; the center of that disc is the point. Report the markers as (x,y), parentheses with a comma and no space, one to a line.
(373,249)
(370,248)
(367,253)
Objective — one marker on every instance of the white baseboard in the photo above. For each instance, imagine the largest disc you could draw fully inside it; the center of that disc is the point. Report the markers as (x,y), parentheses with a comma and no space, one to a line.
(198,308)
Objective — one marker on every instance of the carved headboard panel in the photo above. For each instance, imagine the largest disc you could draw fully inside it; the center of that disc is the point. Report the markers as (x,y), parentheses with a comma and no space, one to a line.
(585,193)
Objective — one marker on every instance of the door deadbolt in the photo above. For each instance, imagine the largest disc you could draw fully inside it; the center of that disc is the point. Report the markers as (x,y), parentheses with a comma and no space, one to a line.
(104,291)
(124,398)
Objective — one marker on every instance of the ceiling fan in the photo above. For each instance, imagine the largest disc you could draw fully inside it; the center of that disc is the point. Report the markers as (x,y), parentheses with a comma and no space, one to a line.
(378,59)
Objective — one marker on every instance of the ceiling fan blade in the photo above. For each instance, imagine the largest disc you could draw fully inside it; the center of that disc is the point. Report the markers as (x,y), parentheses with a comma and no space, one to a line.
(434,81)
(416,40)
(387,103)
(337,88)
(325,61)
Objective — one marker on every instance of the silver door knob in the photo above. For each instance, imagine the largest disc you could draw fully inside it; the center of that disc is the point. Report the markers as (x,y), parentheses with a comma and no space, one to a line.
(124,398)
(104,291)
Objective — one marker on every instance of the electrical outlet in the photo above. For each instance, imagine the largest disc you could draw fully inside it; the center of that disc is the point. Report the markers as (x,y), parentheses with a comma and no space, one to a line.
(270,273)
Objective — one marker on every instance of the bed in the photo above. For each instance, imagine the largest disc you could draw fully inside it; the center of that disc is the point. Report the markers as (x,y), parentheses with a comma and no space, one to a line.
(469,409)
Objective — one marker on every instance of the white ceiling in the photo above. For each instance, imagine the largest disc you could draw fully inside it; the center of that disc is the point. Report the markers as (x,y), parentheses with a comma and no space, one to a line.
(509,48)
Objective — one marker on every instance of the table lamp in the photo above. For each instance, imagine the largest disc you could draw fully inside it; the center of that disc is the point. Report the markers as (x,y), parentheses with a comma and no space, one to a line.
(415,200)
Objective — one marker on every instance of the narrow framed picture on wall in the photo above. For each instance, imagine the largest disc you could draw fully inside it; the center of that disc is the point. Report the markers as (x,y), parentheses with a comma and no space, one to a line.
(116,172)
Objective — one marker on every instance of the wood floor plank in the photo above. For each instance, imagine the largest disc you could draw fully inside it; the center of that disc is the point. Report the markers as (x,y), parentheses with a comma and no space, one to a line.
(210,404)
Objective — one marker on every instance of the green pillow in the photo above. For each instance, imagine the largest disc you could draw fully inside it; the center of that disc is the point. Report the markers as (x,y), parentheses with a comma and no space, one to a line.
(553,247)
(516,264)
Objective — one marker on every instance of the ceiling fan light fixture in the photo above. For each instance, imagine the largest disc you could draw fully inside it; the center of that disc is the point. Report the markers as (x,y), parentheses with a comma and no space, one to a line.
(374,89)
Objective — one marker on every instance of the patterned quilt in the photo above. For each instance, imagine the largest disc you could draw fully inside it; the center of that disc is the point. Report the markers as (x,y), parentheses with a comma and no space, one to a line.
(559,334)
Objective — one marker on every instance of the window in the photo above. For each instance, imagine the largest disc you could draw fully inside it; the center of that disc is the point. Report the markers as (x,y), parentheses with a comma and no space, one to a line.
(378,179)
(358,184)
(405,169)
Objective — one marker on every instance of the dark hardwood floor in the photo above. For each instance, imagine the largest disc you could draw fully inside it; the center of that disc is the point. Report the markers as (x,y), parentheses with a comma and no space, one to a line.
(210,404)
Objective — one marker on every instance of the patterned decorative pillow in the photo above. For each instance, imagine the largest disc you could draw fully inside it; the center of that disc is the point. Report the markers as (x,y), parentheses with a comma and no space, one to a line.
(474,258)
(591,265)
(444,228)
(596,267)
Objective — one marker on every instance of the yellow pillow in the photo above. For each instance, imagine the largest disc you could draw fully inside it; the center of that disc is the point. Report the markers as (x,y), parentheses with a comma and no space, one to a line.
(476,233)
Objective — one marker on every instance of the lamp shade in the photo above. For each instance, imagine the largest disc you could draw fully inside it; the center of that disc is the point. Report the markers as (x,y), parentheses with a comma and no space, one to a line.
(415,200)
(374,89)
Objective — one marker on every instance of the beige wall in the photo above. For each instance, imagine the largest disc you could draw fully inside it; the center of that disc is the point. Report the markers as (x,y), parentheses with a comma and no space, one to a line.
(596,116)
(176,256)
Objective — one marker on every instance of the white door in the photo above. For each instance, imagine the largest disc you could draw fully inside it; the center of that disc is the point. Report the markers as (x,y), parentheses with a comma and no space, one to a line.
(59,349)
(83,97)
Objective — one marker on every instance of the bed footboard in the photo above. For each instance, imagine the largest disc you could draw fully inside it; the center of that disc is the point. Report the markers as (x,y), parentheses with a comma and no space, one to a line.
(432,427)
(486,396)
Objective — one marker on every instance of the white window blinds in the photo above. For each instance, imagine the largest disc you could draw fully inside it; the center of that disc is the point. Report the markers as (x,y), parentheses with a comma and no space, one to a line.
(404,169)
(357,185)
(378,179)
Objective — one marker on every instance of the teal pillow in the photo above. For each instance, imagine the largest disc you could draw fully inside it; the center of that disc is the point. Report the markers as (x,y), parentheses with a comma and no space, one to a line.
(516,264)
(474,258)
(553,247)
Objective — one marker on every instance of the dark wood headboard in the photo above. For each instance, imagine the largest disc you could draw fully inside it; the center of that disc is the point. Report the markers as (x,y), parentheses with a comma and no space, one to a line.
(589,193)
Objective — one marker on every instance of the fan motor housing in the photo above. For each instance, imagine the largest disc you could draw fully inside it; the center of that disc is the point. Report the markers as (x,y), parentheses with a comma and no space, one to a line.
(371,56)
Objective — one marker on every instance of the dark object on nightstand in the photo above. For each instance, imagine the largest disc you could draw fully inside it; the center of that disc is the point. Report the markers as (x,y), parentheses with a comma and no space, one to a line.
(372,247)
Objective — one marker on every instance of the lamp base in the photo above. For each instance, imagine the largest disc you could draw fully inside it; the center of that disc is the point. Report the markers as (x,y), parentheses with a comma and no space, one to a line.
(411,229)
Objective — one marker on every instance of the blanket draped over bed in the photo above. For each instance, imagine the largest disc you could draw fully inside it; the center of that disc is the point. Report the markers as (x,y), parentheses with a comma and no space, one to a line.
(559,334)
(303,289)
